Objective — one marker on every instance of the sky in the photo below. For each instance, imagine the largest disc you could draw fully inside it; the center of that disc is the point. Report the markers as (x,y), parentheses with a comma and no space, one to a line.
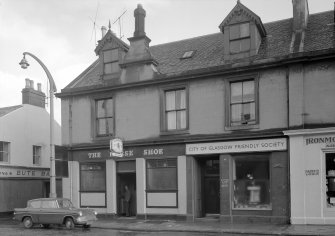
(63,33)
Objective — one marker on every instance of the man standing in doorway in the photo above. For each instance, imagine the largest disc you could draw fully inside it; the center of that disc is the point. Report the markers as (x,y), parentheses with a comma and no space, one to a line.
(127,197)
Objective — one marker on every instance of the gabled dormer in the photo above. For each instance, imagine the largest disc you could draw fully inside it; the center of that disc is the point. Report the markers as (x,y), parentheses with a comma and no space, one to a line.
(111,51)
(243,31)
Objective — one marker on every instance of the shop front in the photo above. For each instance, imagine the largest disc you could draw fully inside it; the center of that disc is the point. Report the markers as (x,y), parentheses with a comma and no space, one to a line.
(238,181)
(19,184)
(312,162)
(145,181)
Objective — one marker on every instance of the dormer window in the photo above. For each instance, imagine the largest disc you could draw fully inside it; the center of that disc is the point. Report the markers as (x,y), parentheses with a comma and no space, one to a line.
(111,61)
(239,38)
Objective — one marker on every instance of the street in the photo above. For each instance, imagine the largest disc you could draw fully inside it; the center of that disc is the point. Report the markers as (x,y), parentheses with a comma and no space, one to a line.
(10,229)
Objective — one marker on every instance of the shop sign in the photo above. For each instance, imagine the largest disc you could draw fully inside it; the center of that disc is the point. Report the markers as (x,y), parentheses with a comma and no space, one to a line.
(131,152)
(237,146)
(116,147)
(22,172)
(328,140)
(311,172)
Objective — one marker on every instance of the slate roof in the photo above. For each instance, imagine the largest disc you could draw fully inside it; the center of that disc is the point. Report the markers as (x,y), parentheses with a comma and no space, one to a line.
(209,51)
(6,110)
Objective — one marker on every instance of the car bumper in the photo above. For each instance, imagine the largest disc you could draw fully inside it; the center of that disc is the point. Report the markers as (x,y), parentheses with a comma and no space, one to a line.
(85,220)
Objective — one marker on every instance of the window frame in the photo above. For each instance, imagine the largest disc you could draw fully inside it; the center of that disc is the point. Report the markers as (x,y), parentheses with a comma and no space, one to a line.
(2,151)
(158,190)
(228,122)
(240,38)
(94,128)
(265,155)
(163,117)
(81,190)
(40,155)
(111,61)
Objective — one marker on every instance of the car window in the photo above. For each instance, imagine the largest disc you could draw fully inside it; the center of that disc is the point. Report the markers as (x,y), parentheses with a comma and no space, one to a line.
(64,203)
(49,204)
(34,204)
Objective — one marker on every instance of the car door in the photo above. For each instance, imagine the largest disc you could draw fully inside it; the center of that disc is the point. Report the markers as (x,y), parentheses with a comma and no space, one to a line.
(49,212)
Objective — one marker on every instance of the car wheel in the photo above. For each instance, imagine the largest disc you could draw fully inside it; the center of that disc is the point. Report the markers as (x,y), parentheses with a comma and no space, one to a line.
(47,226)
(69,224)
(27,222)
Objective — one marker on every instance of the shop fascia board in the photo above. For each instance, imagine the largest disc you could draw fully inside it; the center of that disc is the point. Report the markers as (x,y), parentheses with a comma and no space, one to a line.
(301,132)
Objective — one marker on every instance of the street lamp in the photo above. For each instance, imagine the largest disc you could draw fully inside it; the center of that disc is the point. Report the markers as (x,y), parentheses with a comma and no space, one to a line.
(24,64)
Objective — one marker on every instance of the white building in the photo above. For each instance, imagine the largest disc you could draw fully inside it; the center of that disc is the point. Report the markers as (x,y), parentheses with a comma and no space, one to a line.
(25,150)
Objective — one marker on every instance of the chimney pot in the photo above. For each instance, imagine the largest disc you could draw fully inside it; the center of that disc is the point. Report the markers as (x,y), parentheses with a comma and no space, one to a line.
(32,84)
(139,14)
(103,31)
(39,87)
(27,83)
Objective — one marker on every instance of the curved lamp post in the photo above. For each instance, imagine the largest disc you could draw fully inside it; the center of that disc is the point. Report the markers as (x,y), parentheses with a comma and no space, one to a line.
(24,64)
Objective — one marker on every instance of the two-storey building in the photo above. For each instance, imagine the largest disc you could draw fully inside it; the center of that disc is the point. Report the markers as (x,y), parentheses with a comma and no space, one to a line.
(201,119)
(25,150)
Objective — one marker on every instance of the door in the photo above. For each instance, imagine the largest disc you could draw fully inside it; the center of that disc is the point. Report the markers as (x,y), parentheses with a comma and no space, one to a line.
(211,186)
(129,180)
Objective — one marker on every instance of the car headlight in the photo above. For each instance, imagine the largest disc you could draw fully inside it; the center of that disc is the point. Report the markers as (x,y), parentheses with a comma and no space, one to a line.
(95,213)
(80,213)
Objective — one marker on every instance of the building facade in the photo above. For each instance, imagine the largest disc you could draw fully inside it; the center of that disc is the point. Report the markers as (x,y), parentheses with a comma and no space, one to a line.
(202,120)
(24,150)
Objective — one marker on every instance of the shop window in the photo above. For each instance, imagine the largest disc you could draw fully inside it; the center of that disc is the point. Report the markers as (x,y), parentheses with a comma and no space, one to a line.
(162,175)
(175,110)
(4,152)
(251,182)
(242,105)
(239,38)
(93,177)
(37,150)
(111,61)
(330,179)
(104,117)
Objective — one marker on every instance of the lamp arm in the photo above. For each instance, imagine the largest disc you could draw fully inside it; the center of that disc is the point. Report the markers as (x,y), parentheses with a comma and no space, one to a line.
(51,80)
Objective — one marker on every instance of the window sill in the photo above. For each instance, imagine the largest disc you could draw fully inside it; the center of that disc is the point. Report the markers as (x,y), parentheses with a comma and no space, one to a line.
(242,127)
(174,132)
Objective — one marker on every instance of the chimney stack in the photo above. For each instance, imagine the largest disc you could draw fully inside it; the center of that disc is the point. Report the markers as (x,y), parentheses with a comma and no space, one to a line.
(103,31)
(32,96)
(139,14)
(300,14)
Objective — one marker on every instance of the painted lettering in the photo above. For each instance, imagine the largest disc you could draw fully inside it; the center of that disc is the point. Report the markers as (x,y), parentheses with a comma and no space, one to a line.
(311,172)
(330,139)
(156,151)
(92,155)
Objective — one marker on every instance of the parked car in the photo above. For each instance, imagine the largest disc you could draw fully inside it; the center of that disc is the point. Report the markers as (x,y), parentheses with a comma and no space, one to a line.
(47,211)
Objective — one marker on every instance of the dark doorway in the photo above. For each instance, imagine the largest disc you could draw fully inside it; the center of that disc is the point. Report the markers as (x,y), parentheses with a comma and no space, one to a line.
(128,179)
(211,186)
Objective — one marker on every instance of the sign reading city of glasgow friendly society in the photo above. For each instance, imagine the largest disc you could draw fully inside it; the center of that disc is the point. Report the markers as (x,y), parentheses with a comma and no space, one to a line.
(116,147)
(259,145)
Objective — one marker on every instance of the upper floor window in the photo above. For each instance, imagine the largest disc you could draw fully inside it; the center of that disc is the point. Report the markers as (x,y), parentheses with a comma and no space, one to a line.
(37,150)
(239,38)
(175,110)
(4,152)
(104,117)
(242,103)
(111,61)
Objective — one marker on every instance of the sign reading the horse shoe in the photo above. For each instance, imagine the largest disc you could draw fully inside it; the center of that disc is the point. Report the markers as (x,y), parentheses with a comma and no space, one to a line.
(116,147)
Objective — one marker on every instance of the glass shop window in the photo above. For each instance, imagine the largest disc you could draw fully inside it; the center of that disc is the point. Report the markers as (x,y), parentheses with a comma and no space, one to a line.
(162,175)
(252,183)
(330,179)
(93,177)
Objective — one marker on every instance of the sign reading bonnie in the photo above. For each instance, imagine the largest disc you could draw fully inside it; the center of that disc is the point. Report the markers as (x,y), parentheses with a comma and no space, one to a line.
(116,147)
(237,146)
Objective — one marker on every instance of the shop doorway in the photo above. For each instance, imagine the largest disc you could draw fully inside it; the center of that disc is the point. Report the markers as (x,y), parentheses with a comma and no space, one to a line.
(129,180)
(210,171)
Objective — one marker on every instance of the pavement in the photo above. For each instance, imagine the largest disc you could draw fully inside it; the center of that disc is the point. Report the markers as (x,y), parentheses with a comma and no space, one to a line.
(204,226)
(213,226)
